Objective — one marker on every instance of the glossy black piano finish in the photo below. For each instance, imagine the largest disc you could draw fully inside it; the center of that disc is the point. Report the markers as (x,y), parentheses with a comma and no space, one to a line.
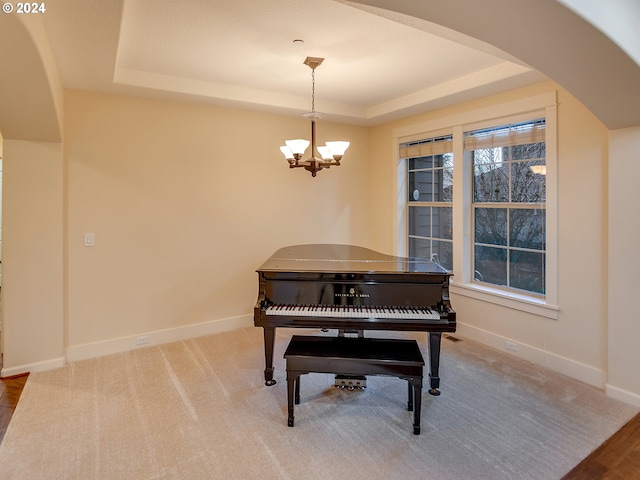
(342,276)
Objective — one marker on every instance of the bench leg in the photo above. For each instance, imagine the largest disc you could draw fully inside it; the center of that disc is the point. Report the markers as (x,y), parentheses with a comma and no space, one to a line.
(410,396)
(293,394)
(417,404)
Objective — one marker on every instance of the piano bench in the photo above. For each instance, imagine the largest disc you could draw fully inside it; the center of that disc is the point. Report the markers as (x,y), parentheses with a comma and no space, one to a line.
(355,356)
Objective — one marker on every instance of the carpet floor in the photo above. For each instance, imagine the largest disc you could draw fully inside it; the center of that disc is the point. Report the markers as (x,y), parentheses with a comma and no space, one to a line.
(198,409)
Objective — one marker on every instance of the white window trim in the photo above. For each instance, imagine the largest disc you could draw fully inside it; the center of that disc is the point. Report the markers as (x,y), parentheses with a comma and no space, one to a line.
(462,281)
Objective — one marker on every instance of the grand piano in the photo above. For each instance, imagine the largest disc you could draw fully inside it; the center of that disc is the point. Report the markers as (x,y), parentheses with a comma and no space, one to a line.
(352,289)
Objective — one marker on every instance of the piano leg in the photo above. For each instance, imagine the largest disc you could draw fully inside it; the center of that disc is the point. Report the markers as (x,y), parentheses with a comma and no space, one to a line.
(434,362)
(269,343)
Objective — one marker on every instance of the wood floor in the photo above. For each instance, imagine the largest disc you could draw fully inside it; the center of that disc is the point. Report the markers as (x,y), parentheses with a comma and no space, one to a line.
(616,459)
(10,391)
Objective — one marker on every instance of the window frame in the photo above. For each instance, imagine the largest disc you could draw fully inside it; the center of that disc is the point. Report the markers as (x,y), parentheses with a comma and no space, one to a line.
(462,283)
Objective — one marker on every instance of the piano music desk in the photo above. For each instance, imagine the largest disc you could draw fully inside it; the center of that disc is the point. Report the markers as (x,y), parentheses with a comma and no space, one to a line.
(355,356)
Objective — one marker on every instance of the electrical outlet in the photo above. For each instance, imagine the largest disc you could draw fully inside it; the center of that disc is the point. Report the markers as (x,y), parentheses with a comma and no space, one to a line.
(142,340)
(513,346)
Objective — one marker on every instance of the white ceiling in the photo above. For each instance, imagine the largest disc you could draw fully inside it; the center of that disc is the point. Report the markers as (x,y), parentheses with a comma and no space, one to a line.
(378,65)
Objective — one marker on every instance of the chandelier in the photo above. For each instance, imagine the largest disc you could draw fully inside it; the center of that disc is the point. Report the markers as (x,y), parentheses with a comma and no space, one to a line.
(330,154)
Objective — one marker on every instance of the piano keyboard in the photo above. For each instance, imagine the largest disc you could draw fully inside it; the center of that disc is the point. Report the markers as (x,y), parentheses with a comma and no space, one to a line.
(353,311)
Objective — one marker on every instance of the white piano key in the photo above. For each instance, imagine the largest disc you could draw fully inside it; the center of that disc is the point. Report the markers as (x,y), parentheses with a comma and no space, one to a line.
(350,311)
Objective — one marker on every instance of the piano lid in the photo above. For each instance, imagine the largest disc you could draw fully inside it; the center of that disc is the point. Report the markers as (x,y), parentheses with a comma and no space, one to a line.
(344,258)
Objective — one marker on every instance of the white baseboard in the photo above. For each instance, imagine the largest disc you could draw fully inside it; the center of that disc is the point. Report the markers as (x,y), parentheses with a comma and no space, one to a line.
(566,366)
(623,395)
(158,337)
(33,367)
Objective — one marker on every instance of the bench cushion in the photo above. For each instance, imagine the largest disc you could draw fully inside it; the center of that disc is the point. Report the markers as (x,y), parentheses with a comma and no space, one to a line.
(380,349)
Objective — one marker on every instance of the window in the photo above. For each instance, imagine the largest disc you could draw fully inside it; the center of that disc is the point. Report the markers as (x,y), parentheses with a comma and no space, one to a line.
(429,199)
(491,220)
(508,205)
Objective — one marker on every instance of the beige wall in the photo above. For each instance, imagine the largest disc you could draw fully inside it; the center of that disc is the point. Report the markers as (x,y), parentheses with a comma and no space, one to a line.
(575,343)
(185,202)
(32,287)
(624,262)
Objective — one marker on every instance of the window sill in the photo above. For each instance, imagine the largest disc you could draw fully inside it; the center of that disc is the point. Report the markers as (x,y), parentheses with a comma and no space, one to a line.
(507,299)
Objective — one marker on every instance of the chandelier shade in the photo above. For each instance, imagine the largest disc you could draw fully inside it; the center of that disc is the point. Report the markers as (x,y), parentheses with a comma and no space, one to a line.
(337,148)
(297,146)
(330,154)
(325,152)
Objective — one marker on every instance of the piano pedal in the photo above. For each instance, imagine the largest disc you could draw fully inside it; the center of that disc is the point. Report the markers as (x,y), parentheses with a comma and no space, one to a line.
(351,382)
